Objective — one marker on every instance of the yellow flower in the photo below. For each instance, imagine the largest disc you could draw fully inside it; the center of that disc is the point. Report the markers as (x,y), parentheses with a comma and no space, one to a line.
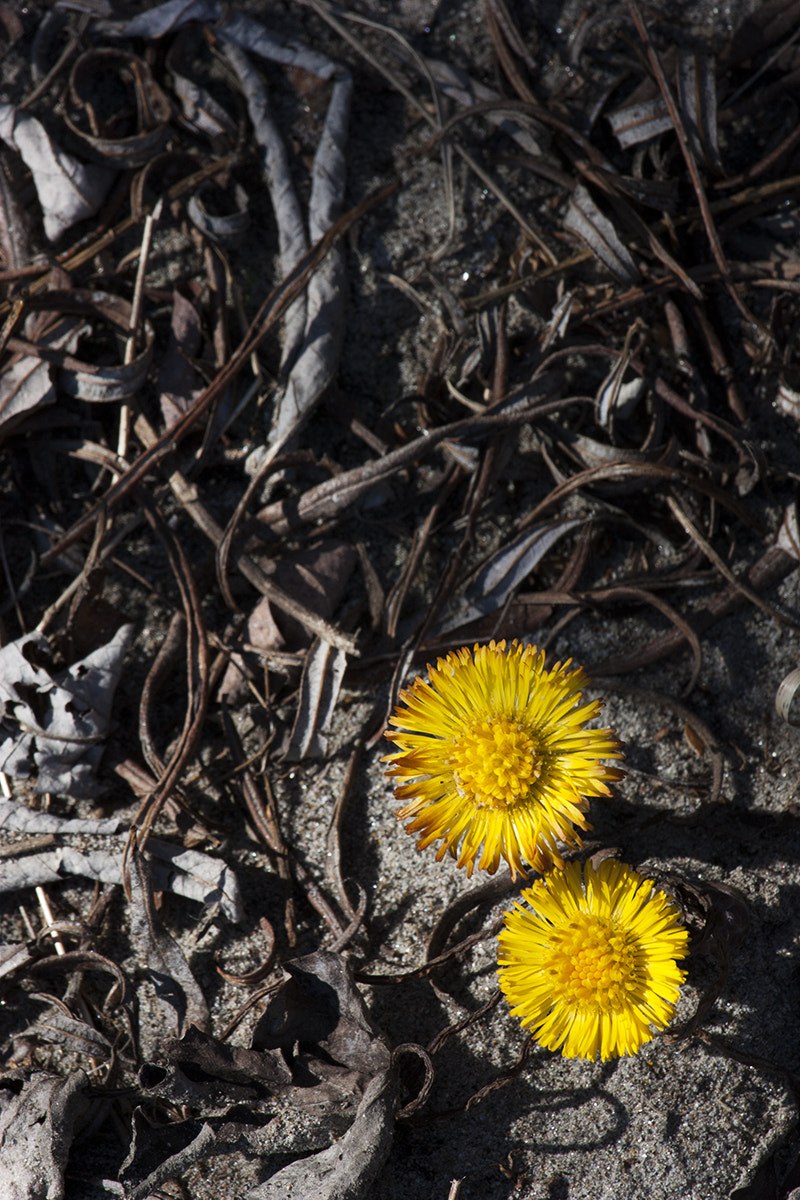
(494,757)
(592,967)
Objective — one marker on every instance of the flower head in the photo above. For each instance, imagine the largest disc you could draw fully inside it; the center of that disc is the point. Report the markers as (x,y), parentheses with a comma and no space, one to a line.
(494,759)
(592,967)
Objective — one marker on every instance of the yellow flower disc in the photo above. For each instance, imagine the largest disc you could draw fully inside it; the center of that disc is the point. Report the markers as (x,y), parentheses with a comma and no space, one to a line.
(495,761)
(590,966)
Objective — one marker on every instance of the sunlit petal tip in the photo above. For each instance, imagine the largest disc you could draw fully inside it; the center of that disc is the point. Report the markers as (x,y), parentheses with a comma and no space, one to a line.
(588,960)
(495,760)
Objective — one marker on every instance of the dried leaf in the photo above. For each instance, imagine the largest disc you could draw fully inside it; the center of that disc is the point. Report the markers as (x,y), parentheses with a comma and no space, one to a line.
(319,690)
(26,382)
(318,578)
(102,383)
(585,219)
(785,695)
(292,237)
(37,1124)
(165,962)
(635,123)
(13,956)
(68,190)
(187,873)
(318,358)
(201,877)
(346,1170)
(697,95)
(53,725)
(200,109)
(159,1153)
(178,382)
(60,1028)
(315,1047)
(18,818)
(531,137)
(318,1023)
(507,570)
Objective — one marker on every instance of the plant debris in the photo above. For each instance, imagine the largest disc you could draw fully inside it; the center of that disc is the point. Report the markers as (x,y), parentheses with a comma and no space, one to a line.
(332,341)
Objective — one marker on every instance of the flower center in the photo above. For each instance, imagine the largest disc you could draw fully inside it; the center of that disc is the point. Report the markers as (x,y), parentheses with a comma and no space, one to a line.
(594,962)
(494,763)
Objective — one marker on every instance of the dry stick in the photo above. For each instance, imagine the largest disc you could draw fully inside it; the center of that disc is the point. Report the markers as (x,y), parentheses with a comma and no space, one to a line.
(258,973)
(624,592)
(419,546)
(719,362)
(163,665)
(680,710)
(269,467)
(694,533)
(334,834)
(136,316)
(630,470)
(197,685)
(80,579)
(697,183)
(444,1035)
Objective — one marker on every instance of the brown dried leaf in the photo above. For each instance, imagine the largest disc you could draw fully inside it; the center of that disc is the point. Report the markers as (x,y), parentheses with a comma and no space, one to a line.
(178,382)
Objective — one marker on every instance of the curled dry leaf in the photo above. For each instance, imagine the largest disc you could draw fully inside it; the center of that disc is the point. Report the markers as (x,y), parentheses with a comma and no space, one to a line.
(68,190)
(95,76)
(223,228)
(102,383)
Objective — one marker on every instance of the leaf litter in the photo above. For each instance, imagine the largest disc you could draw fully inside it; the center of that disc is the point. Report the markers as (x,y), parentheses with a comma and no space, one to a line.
(263,458)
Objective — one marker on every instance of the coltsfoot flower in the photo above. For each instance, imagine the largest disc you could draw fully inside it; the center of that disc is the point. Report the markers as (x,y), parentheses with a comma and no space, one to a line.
(591,965)
(494,759)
